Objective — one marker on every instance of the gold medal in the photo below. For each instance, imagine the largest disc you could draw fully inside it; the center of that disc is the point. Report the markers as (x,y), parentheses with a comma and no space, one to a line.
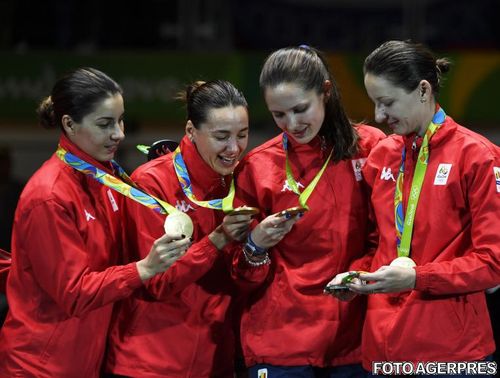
(244,210)
(292,211)
(403,261)
(179,223)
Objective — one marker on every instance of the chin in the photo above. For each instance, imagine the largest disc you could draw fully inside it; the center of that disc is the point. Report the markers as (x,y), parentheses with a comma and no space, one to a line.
(224,171)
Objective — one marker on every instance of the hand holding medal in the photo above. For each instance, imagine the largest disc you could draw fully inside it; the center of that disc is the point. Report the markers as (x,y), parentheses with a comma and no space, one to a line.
(338,287)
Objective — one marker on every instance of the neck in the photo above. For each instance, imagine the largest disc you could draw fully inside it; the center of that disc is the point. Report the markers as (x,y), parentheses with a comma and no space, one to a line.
(429,114)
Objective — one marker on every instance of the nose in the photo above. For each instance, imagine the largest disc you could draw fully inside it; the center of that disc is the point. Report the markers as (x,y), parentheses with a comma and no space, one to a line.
(232,145)
(380,115)
(291,123)
(117,133)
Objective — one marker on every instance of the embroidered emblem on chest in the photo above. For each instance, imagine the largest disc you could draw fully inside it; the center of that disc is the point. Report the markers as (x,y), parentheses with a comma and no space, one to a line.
(442,174)
(387,174)
(496,172)
(88,216)
(287,187)
(183,206)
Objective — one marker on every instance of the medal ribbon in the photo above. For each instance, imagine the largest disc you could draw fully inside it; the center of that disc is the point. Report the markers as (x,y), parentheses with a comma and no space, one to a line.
(126,187)
(304,196)
(225,204)
(404,224)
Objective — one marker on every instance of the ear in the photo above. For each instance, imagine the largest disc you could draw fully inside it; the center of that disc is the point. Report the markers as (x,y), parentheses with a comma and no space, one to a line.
(190,129)
(425,91)
(68,125)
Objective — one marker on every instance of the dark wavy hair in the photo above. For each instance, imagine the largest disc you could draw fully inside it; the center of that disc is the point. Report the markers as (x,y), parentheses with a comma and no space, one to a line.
(306,67)
(76,94)
(405,64)
(202,96)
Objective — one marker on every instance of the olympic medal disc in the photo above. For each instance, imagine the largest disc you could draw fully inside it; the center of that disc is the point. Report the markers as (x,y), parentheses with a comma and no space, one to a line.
(403,261)
(244,210)
(179,223)
(292,211)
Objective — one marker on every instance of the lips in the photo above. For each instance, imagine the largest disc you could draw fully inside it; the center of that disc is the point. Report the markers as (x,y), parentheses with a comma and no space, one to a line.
(228,161)
(112,149)
(299,134)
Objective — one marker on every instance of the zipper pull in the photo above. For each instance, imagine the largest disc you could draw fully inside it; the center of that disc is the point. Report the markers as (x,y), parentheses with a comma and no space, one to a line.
(414,144)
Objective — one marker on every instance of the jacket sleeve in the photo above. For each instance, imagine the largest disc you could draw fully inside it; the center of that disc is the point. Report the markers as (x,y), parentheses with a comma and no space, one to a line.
(246,276)
(4,269)
(143,227)
(58,258)
(479,267)
(195,263)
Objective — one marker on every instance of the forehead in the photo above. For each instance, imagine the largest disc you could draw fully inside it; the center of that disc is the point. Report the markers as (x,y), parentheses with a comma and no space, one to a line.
(288,95)
(112,104)
(226,118)
(379,86)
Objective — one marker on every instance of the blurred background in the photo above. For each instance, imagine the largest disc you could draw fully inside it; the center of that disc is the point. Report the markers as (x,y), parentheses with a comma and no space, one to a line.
(153,48)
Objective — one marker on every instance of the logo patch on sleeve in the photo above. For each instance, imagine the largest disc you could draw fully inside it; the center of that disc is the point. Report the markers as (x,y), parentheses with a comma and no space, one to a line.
(496,172)
(442,174)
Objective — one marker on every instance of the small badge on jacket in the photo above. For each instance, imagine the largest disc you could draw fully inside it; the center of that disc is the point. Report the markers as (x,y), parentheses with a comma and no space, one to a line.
(357,165)
(442,174)
(262,373)
(496,171)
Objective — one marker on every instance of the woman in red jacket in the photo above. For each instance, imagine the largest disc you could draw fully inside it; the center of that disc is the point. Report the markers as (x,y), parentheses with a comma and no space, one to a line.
(180,326)
(63,280)
(439,246)
(289,327)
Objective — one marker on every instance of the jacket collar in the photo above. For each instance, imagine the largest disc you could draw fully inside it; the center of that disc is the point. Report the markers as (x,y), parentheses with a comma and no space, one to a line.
(448,127)
(69,146)
(315,146)
(206,183)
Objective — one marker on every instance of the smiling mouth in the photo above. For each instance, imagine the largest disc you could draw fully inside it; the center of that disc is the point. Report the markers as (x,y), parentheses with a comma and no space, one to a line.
(228,161)
(300,133)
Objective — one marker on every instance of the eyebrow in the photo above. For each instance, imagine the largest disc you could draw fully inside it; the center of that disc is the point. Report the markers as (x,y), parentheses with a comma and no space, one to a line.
(227,131)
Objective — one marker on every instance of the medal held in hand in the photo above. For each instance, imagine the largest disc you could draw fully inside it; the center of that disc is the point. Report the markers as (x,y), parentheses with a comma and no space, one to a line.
(179,223)
(244,210)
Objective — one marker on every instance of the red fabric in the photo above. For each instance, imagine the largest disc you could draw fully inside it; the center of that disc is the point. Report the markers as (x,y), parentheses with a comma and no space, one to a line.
(62,283)
(181,326)
(4,269)
(456,246)
(289,321)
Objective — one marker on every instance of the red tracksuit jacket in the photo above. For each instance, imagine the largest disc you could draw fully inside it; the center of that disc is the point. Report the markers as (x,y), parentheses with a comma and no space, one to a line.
(455,244)
(289,321)
(181,326)
(62,282)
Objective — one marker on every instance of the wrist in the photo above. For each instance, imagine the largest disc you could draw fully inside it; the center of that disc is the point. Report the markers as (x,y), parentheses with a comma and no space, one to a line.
(254,248)
(144,271)
(218,238)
